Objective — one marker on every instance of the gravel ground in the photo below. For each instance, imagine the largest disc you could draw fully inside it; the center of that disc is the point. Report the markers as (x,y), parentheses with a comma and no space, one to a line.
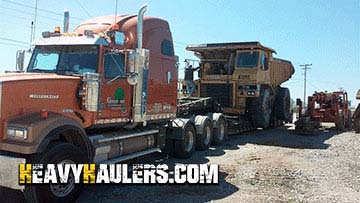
(264,166)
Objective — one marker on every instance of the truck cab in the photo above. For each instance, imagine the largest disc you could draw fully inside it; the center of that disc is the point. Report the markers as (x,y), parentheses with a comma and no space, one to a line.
(103,93)
(109,54)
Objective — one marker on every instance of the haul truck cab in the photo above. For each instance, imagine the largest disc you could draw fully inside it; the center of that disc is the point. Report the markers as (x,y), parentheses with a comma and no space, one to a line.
(105,93)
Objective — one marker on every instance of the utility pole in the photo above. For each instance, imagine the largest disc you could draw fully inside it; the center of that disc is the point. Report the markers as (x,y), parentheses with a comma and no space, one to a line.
(305,68)
(33,25)
(35,18)
(116,7)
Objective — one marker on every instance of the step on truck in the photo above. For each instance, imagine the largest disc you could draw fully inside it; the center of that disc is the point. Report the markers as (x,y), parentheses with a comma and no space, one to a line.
(104,93)
(245,78)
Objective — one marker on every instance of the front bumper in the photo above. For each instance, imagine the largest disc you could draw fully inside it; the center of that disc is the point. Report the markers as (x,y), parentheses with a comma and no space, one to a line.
(9,172)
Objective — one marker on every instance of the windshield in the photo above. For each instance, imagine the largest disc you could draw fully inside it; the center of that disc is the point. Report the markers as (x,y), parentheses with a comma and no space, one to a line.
(64,59)
(247,59)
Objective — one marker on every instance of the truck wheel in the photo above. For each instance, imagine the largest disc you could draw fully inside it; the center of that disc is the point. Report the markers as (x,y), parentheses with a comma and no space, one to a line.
(61,153)
(340,124)
(264,109)
(203,141)
(184,148)
(282,104)
(348,121)
(220,132)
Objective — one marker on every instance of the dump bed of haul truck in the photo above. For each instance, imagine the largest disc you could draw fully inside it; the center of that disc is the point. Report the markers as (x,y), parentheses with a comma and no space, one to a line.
(245,79)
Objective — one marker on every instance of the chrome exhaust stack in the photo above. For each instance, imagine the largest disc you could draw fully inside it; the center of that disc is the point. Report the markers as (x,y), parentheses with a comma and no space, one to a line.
(66,21)
(141,73)
(139,27)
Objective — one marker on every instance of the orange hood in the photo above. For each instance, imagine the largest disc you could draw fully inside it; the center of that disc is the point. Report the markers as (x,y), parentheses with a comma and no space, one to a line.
(22,93)
(33,76)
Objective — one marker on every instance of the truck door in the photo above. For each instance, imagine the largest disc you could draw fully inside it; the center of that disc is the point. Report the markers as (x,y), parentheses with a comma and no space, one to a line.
(170,70)
(115,91)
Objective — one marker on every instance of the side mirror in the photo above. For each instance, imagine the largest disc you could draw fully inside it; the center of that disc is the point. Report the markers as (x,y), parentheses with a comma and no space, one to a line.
(132,76)
(131,62)
(116,37)
(119,38)
(20,56)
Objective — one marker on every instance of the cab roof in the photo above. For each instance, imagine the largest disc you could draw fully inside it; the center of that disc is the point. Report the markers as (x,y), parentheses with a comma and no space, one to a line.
(227,47)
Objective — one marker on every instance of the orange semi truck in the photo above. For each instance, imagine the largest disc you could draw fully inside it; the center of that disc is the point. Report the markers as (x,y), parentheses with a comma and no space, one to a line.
(105,93)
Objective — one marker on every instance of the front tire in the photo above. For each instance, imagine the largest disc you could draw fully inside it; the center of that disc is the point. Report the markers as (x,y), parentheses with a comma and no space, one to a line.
(61,153)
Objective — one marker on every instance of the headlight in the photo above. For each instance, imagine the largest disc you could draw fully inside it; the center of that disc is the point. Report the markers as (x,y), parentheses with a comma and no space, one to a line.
(251,93)
(17,132)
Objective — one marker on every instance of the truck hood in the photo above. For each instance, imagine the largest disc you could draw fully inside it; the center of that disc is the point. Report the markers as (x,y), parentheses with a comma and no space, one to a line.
(24,93)
(33,76)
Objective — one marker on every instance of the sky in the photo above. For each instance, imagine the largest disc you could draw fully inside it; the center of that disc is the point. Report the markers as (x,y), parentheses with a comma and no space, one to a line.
(323,33)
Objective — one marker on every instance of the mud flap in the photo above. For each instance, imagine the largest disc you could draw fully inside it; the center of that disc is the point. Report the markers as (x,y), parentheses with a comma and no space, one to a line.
(9,172)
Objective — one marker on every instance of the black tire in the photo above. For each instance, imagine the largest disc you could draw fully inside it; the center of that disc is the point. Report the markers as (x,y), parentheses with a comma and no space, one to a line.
(58,153)
(263,111)
(204,140)
(341,124)
(282,104)
(220,132)
(185,148)
(348,121)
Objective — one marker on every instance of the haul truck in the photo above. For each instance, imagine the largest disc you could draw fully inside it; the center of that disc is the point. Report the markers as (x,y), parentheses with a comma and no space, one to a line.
(245,79)
(105,93)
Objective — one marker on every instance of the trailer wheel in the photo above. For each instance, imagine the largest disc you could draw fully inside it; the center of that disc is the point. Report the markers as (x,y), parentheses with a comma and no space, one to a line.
(61,153)
(184,148)
(203,141)
(264,107)
(282,104)
(220,132)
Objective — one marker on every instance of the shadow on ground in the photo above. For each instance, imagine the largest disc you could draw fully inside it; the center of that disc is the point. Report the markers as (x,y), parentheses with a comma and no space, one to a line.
(158,193)
(287,137)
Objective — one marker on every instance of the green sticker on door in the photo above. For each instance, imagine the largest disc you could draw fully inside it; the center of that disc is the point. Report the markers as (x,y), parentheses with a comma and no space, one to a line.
(119,100)
(119,94)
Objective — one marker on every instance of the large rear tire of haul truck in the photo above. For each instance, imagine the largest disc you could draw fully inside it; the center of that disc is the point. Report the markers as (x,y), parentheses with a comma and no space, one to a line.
(282,104)
(59,153)
(262,109)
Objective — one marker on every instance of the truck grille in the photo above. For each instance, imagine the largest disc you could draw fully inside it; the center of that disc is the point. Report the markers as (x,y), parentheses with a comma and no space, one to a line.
(221,93)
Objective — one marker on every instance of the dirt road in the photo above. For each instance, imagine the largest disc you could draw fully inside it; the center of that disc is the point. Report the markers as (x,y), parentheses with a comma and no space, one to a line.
(263,166)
